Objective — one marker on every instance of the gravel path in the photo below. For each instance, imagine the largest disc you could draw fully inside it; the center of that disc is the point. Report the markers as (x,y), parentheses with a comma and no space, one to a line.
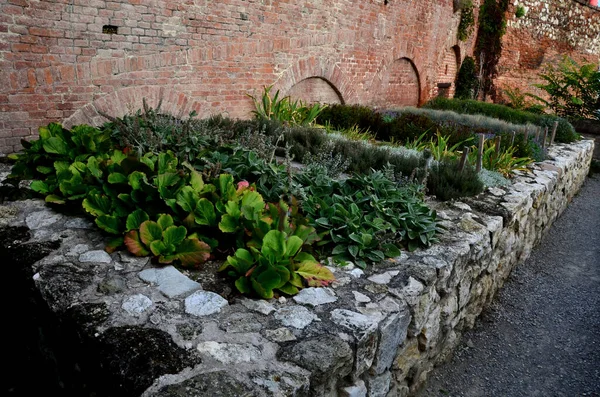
(541,337)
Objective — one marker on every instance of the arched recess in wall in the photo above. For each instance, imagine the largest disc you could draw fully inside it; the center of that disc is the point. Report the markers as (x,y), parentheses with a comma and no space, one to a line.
(130,99)
(313,73)
(447,71)
(316,89)
(401,85)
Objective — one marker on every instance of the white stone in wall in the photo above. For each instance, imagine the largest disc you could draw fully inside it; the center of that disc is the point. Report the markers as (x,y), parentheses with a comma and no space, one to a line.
(359,389)
(98,256)
(230,353)
(360,297)
(170,281)
(383,278)
(204,303)
(296,316)
(259,306)
(42,219)
(136,304)
(280,335)
(315,296)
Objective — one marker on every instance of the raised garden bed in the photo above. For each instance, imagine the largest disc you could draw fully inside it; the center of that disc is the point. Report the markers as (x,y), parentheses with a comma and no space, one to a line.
(130,328)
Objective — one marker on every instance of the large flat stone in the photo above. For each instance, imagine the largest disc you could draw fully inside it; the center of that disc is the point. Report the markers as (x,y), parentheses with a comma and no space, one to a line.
(315,296)
(204,303)
(170,281)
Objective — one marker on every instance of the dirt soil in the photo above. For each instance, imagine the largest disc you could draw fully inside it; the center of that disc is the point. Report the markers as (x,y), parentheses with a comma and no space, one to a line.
(541,337)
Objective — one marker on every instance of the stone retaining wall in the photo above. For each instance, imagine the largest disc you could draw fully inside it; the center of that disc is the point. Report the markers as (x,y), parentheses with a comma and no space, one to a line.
(135,329)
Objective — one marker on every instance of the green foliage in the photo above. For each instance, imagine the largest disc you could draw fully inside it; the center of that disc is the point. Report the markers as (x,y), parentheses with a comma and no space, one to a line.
(165,240)
(441,149)
(365,218)
(352,133)
(464,183)
(344,117)
(57,160)
(516,98)
(565,132)
(574,89)
(466,81)
(306,142)
(285,110)
(278,265)
(493,178)
(488,47)
(419,143)
(503,162)
(467,20)
(520,11)
(149,131)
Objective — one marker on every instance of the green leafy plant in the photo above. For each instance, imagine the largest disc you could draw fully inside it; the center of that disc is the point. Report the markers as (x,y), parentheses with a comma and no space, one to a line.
(441,149)
(573,89)
(565,132)
(419,143)
(57,160)
(353,133)
(488,48)
(279,265)
(466,80)
(150,131)
(293,112)
(520,11)
(465,182)
(164,240)
(467,20)
(366,217)
(503,162)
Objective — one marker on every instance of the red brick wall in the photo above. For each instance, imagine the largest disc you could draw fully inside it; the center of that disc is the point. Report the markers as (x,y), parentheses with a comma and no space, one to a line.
(548,31)
(449,68)
(399,86)
(56,63)
(315,89)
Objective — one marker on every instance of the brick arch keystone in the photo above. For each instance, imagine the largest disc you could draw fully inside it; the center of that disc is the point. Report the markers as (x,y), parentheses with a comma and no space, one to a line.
(130,99)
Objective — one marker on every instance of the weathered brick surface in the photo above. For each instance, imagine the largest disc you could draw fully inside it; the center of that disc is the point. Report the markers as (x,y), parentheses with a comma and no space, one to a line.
(57,64)
(548,31)
(315,89)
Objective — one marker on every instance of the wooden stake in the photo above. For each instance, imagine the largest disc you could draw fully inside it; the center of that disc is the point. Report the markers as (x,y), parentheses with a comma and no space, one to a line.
(553,133)
(545,137)
(497,143)
(537,134)
(512,138)
(526,134)
(480,153)
(463,159)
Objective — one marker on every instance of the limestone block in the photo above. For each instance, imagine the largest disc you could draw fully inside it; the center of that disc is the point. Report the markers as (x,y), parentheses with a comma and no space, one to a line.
(392,333)
(364,330)
(378,385)
(327,357)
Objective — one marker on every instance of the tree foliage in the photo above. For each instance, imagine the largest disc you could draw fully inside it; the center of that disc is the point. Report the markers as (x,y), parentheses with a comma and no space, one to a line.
(466,81)
(488,47)
(574,90)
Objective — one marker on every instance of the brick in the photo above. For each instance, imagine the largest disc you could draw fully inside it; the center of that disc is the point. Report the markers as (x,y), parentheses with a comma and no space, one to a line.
(56,60)
(46,32)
